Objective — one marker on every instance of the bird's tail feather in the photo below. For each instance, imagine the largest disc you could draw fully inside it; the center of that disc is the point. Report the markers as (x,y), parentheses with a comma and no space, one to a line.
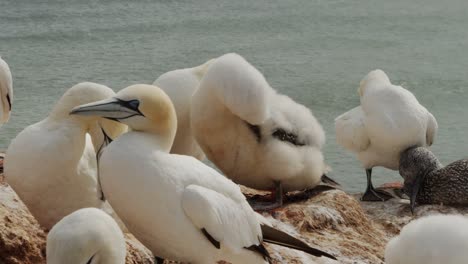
(277,237)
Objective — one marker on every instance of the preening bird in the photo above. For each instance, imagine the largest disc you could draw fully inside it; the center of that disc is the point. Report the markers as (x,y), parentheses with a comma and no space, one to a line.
(427,181)
(180,85)
(177,206)
(389,120)
(52,164)
(254,135)
(6,91)
(89,236)
(431,239)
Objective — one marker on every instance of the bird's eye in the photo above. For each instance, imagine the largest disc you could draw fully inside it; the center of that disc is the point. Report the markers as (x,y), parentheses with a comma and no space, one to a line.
(282,135)
(133,104)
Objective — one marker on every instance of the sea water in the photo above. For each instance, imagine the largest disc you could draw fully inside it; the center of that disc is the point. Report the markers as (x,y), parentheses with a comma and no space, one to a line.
(315,51)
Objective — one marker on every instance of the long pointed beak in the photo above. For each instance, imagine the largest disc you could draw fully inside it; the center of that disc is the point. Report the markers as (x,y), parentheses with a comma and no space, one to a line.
(113,108)
(414,192)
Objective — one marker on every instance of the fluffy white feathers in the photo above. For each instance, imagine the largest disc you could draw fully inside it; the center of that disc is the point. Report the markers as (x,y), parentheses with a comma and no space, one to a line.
(52,164)
(431,240)
(389,120)
(86,236)
(6,91)
(253,134)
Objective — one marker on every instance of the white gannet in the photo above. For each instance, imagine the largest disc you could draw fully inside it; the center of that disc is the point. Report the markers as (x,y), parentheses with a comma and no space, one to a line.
(52,164)
(431,239)
(6,91)
(389,120)
(180,85)
(86,236)
(177,206)
(257,137)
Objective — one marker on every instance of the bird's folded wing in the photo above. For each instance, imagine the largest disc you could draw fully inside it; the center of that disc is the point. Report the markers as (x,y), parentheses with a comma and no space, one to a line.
(240,87)
(351,131)
(221,219)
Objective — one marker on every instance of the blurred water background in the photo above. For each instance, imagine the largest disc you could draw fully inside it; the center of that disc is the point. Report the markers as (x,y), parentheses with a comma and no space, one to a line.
(315,51)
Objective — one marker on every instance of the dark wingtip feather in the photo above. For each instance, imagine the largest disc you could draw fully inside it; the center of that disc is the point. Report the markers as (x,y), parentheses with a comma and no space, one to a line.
(327,180)
(277,237)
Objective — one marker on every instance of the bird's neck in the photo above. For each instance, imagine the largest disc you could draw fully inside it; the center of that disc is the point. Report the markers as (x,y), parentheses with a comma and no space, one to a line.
(147,142)
(97,136)
(163,132)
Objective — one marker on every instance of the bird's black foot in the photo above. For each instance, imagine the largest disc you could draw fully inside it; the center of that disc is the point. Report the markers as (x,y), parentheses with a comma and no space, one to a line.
(373,195)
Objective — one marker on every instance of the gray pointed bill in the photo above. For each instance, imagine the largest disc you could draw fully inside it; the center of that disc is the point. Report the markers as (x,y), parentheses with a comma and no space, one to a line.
(113,108)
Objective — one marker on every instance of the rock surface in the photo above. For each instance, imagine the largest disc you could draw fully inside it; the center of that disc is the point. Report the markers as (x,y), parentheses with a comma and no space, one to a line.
(22,241)
(336,222)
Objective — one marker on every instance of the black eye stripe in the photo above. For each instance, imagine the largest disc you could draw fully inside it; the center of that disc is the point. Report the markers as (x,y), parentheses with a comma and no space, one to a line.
(292,138)
(132,104)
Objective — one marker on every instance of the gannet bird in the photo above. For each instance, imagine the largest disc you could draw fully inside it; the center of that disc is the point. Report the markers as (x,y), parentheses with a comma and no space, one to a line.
(52,164)
(428,182)
(257,137)
(389,120)
(180,85)
(6,91)
(195,215)
(432,239)
(86,236)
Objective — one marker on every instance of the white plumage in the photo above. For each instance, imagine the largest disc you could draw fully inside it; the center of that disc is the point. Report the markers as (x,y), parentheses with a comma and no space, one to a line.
(86,236)
(52,164)
(6,91)
(136,168)
(257,137)
(388,121)
(180,86)
(430,240)
(177,206)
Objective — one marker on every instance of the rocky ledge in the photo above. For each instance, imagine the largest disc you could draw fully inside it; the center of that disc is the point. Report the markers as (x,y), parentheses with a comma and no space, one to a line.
(332,220)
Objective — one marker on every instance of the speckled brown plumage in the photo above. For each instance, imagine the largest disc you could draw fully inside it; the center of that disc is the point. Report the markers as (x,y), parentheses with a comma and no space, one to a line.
(440,185)
(448,185)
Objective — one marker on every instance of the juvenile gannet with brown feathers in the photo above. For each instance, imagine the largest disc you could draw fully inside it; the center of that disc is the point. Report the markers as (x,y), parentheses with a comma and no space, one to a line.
(89,236)
(177,206)
(52,164)
(257,137)
(180,85)
(389,120)
(6,91)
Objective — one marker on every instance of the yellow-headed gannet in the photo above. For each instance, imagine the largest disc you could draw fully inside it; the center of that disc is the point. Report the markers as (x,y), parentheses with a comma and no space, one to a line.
(177,206)
(52,164)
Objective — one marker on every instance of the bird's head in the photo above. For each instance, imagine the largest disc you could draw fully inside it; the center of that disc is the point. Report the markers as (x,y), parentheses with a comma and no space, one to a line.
(373,78)
(144,108)
(415,164)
